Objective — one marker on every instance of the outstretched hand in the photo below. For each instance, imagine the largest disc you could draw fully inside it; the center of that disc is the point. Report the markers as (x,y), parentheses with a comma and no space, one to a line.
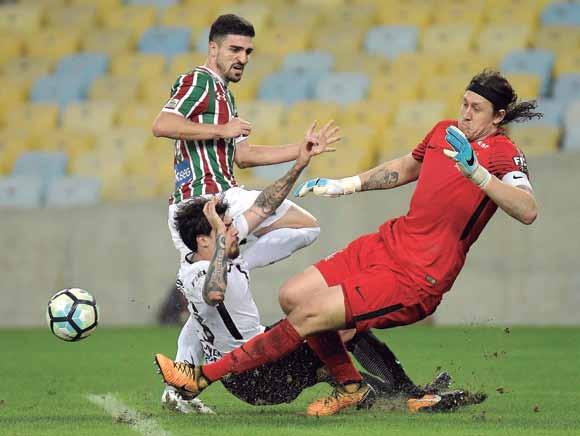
(316,143)
(215,221)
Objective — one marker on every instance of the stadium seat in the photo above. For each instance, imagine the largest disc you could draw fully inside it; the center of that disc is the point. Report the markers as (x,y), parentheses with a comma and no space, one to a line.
(20,18)
(185,62)
(442,38)
(398,141)
(21,192)
(392,90)
(15,91)
(532,61)
(567,87)
(391,41)
(373,114)
(52,43)
(136,18)
(73,191)
(180,15)
(148,67)
(357,153)
(338,43)
(512,12)
(283,40)
(246,89)
(527,86)
(373,66)
(567,62)
(342,88)
(422,65)
(139,115)
(110,41)
(264,115)
(302,114)
(200,40)
(96,117)
(561,14)
(316,61)
(553,111)
(58,89)
(71,142)
(157,3)
(124,187)
(159,91)
(405,13)
(262,65)
(469,63)
(123,142)
(28,67)
(561,40)
(448,89)
(359,16)
(572,114)
(498,40)
(571,141)
(46,165)
(12,51)
(43,116)
(167,41)
(452,13)
(420,114)
(121,90)
(288,87)
(82,17)
(88,66)
(13,142)
(257,13)
(535,140)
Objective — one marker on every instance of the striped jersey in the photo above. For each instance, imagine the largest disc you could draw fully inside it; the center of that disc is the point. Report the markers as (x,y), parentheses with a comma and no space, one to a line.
(202,167)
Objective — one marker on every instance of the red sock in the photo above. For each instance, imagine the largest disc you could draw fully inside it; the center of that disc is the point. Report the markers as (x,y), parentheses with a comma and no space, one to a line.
(330,349)
(264,348)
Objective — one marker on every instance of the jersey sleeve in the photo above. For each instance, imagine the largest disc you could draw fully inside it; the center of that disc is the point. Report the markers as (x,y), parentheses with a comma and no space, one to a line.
(419,151)
(507,158)
(192,278)
(188,95)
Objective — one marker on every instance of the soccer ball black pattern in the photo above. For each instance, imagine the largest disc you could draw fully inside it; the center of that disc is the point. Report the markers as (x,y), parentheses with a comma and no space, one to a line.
(72,314)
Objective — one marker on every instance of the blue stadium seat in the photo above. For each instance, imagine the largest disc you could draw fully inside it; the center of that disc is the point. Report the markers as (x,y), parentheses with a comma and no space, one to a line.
(288,86)
(319,61)
(165,40)
(202,40)
(571,139)
(561,14)
(59,89)
(87,66)
(21,192)
(157,3)
(46,165)
(567,87)
(342,88)
(553,111)
(572,114)
(73,191)
(533,61)
(390,41)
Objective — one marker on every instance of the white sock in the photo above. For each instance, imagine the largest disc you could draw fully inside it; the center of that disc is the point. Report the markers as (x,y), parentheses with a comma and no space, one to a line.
(188,345)
(278,244)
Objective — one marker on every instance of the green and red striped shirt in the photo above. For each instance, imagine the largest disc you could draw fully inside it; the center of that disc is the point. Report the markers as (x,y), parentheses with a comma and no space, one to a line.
(202,167)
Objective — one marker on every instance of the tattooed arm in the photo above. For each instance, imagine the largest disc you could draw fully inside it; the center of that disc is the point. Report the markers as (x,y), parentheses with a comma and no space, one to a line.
(396,172)
(216,280)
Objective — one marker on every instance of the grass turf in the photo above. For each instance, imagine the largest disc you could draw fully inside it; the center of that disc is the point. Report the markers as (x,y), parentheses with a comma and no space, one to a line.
(530,374)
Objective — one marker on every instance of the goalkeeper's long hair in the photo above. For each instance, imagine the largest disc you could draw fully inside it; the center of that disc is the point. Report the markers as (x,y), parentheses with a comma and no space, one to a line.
(505,97)
(191,222)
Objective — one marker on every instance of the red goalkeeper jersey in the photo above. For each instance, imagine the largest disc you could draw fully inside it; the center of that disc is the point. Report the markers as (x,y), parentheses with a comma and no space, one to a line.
(447,211)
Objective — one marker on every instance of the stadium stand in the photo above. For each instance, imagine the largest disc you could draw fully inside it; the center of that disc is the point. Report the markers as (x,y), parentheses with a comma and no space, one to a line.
(82,71)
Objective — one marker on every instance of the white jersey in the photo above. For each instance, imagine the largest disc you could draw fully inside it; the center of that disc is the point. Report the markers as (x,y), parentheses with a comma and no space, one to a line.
(228,325)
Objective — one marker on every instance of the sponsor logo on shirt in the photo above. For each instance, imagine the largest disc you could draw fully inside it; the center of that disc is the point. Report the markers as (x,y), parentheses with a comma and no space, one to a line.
(172,104)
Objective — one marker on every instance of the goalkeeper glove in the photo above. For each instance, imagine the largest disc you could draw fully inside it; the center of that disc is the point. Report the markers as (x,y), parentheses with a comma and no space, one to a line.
(463,154)
(329,187)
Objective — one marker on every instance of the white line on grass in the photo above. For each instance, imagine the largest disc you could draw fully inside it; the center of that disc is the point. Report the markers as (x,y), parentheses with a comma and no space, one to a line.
(123,414)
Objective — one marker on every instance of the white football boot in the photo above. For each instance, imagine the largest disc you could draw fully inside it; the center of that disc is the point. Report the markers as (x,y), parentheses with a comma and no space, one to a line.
(175,401)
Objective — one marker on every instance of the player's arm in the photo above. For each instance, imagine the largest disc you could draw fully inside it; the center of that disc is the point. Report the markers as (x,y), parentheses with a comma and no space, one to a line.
(175,126)
(248,155)
(216,280)
(396,172)
(272,196)
(514,195)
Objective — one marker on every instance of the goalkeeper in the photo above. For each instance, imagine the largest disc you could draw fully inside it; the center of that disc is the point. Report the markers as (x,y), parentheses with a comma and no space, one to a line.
(465,170)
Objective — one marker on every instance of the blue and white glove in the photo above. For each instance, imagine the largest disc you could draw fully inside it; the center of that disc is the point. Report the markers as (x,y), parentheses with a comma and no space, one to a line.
(329,187)
(466,159)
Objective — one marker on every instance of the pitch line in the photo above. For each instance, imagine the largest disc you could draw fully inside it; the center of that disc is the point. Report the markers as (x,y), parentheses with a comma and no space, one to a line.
(123,414)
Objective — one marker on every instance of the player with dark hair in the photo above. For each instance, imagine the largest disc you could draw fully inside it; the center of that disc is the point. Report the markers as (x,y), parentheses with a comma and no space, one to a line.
(224,315)
(465,170)
(201,116)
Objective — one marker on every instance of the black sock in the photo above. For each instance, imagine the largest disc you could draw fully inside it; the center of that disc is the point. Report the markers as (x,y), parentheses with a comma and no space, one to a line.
(379,360)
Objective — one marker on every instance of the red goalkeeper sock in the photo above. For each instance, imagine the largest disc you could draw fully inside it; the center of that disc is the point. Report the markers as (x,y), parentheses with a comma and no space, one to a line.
(263,348)
(330,349)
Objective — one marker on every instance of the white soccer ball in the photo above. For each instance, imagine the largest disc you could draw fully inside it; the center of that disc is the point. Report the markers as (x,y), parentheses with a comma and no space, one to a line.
(72,314)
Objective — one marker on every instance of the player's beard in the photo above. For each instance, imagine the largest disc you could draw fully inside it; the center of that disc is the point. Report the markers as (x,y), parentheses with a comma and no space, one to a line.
(229,73)
(234,251)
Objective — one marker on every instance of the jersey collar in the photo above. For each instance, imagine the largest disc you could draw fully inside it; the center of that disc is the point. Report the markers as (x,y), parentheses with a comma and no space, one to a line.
(214,74)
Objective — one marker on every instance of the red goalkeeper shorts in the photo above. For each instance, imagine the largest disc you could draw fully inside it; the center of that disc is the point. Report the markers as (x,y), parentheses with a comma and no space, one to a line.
(377,293)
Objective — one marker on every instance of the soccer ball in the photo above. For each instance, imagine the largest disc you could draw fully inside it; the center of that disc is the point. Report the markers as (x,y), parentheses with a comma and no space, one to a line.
(72,314)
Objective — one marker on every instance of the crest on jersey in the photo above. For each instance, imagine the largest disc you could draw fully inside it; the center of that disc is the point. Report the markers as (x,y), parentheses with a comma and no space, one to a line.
(220,96)
(172,104)
(482,144)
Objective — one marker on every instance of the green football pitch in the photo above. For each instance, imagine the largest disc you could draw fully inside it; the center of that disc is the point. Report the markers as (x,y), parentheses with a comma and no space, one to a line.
(107,385)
